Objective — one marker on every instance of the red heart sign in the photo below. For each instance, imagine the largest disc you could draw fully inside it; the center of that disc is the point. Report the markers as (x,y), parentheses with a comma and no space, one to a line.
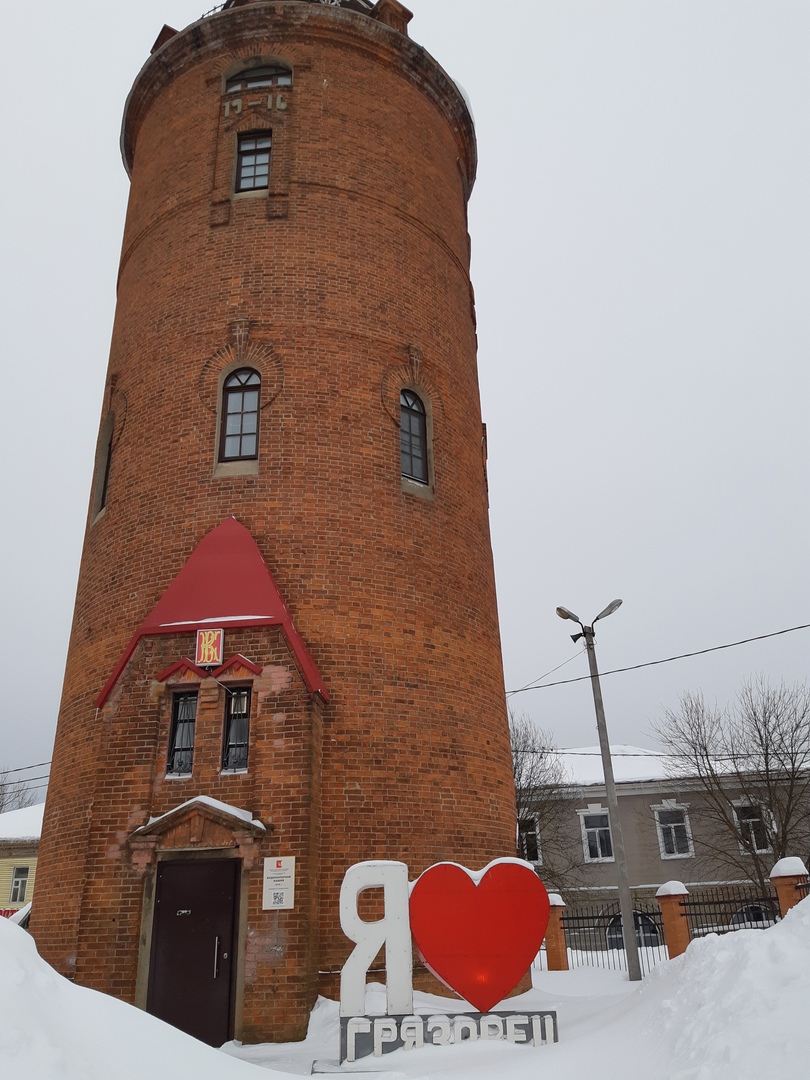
(479,937)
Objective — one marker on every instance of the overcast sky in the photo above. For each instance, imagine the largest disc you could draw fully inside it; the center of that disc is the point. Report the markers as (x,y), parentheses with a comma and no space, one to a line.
(641,246)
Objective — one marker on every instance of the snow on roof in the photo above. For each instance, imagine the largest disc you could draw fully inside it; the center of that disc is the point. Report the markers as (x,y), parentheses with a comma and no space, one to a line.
(215,804)
(25,824)
(631,764)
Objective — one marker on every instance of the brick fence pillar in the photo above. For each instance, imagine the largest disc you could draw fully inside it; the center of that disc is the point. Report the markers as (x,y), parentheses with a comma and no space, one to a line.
(556,952)
(786,877)
(676,928)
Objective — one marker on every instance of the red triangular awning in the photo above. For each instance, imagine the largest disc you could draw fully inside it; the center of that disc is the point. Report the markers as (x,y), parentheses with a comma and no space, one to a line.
(226,583)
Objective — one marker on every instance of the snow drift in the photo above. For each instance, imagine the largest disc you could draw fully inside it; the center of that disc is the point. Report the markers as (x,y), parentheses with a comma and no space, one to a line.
(730,1008)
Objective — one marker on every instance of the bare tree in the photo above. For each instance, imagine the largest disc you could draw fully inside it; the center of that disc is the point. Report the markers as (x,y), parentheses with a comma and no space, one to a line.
(546,799)
(751,763)
(14,794)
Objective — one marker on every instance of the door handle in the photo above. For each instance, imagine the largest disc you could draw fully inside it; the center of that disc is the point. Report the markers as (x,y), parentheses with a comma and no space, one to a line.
(216,956)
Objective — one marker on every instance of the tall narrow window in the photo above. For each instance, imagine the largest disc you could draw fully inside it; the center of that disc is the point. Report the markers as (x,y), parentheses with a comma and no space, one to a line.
(105,483)
(239,439)
(674,833)
(529,840)
(253,162)
(19,884)
(181,747)
(104,454)
(413,437)
(237,729)
(596,837)
(753,825)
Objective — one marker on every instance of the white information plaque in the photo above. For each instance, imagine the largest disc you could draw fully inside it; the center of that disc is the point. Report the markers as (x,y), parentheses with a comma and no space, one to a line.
(279,884)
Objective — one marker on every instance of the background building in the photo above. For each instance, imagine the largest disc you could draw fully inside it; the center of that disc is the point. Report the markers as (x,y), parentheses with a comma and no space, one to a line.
(670,830)
(19,845)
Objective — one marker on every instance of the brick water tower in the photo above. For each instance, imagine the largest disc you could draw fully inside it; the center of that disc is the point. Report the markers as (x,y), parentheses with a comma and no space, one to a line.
(285,654)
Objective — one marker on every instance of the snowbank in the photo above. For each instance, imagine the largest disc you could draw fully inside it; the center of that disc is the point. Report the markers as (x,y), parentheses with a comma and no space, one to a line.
(53,1030)
(730,1008)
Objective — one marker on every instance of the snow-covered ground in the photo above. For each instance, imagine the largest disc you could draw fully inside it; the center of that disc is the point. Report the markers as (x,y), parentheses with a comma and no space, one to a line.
(732,1008)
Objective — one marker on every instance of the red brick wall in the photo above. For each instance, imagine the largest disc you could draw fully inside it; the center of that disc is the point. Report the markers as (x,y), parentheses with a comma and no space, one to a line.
(352,277)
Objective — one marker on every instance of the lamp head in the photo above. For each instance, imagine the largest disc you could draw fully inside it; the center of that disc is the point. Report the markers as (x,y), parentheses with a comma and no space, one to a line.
(612,606)
(564,613)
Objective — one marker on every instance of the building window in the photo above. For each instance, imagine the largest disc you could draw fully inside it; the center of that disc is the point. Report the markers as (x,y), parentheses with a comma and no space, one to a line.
(181,747)
(529,840)
(105,483)
(752,917)
(674,831)
(239,439)
(647,933)
(104,454)
(253,162)
(237,728)
(596,839)
(256,78)
(413,437)
(19,884)
(752,821)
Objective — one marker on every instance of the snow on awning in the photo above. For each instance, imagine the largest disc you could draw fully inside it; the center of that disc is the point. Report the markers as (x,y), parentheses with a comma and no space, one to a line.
(222,810)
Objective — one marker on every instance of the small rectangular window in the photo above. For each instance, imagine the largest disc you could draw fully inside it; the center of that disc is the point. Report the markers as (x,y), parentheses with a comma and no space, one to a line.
(19,884)
(181,747)
(253,162)
(237,729)
(597,839)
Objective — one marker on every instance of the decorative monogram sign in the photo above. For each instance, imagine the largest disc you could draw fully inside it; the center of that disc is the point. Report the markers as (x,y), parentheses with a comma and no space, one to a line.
(476,932)
(210,645)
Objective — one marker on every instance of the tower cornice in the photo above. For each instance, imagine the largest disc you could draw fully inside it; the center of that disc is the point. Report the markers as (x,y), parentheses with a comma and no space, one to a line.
(230,30)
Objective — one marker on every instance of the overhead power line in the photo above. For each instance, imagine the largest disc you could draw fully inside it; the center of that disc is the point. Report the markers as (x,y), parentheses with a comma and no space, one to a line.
(653,663)
(25,768)
(24,783)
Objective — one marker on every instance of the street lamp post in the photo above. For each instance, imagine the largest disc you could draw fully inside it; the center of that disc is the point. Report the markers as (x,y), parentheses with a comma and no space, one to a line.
(625,899)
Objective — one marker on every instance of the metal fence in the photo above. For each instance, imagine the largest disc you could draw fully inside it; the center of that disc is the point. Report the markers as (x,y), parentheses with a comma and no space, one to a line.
(594,938)
(723,908)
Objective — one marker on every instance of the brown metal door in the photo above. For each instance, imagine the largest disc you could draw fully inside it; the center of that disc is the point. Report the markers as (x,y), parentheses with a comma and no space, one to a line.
(193,936)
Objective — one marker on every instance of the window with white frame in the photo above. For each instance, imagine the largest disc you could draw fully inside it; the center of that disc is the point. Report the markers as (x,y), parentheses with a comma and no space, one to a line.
(597,842)
(19,884)
(674,830)
(529,840)
(753,822)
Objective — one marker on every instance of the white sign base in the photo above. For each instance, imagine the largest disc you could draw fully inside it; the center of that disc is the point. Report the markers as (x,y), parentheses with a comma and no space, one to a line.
(378,1035)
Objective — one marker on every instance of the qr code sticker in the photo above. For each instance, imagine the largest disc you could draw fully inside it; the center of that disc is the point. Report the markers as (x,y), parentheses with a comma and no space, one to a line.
(277,899)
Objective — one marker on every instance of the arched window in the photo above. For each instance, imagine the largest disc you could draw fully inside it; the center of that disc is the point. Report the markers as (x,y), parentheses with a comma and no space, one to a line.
(647,933)
(257,77)
(239,437)
(104,454)
(413,437)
